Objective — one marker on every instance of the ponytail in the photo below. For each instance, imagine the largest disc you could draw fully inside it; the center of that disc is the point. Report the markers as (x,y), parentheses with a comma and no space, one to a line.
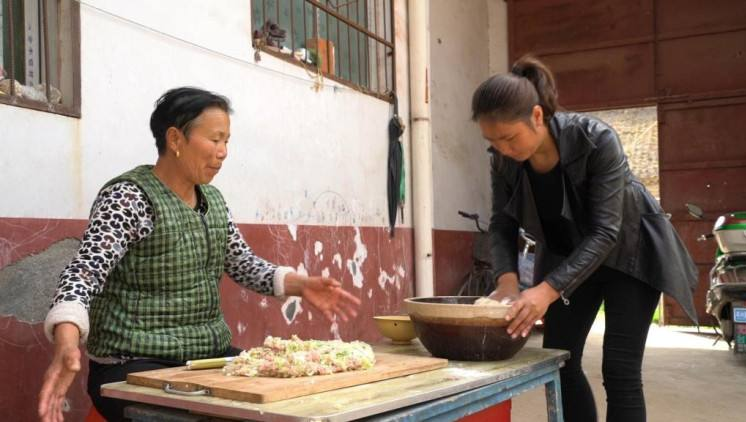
(542,79)
(512,96)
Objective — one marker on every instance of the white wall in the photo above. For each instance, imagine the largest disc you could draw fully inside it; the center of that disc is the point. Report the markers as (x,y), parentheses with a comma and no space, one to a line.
(497,16)
(462,55)
(296,156)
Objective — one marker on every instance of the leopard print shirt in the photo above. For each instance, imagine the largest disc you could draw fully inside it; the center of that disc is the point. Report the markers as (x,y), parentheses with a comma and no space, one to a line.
(122,216)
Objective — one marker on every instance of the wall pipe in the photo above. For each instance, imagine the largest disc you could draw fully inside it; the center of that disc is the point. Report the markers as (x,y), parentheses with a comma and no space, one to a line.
(422,157)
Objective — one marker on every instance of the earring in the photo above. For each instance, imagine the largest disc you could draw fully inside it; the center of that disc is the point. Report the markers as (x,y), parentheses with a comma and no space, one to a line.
(177,153)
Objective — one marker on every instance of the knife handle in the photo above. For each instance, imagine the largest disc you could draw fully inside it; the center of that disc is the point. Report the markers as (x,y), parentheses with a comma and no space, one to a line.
(207,363)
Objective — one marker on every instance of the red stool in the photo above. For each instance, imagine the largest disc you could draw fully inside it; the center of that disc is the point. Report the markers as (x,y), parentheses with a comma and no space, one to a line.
(94,416)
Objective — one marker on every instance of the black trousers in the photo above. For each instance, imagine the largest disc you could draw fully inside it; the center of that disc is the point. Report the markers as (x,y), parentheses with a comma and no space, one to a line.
(629,305)
(113,409)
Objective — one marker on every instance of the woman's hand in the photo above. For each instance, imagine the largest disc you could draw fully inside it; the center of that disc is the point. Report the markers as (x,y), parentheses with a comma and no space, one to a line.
(330,298)
(531,305)
(60,373)
(325,293)
(507,290)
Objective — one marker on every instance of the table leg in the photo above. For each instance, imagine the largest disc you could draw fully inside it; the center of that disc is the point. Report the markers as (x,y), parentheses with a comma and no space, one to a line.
(554,399)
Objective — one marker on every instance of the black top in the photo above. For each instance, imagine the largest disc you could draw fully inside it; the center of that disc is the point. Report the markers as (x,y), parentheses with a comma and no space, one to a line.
(549,192)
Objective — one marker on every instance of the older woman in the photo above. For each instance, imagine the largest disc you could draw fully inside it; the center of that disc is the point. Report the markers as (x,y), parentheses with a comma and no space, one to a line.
(142,290)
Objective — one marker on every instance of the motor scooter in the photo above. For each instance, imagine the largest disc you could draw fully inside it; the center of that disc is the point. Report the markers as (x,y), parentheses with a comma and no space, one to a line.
(726,297)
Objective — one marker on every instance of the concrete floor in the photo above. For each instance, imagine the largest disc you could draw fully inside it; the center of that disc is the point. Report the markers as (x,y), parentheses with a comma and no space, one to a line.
(685,378)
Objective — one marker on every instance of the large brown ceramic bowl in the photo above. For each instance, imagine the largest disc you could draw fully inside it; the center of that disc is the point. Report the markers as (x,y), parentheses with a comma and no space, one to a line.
(452,327)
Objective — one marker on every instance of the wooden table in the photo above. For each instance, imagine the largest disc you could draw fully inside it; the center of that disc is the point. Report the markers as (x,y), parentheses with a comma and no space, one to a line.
(444,394)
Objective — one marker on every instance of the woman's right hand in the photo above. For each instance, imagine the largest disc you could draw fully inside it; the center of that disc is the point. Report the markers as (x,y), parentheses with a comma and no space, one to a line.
(60,373)
(507,289)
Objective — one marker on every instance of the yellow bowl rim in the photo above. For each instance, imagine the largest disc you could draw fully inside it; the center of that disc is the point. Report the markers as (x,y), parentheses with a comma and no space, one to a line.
(396,318)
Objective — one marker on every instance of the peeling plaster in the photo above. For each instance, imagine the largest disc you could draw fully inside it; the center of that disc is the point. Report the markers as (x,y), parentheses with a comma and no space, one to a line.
(327,208)
(264,303)
(318,247)
(355,265)
(334,329)
(337,259)
(370,293)
(291,309)
(29,284)
(293,229)
(384,278)
(241,327)
(325,272)
(301,269)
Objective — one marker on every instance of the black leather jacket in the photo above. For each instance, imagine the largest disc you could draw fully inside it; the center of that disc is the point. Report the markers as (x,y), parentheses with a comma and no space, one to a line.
(619,224)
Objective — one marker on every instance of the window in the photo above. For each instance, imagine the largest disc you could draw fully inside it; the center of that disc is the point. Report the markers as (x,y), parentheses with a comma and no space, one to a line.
(40,51)
(349,41)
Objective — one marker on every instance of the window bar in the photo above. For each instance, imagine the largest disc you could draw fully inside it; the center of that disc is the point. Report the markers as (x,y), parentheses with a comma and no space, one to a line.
(339,41)
(357,41)
(292,29)
(316,36)
(367,51)
(385,52)
(326,9)
(316,26)
(339,44)
(75,41)
(375,31)
(349,45)
(359,49)
(383,40)
(277,12)
(305,29)
(385,70)
(45,28)
(264,15)
(393,49)
(12,52)
(327,37)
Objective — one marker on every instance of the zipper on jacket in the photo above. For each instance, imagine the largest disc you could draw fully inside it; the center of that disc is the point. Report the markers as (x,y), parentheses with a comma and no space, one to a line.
(207,270)
(207,239)
(565,300)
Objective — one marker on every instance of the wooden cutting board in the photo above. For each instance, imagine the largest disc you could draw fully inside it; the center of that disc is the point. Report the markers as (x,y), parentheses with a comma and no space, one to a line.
(264,390)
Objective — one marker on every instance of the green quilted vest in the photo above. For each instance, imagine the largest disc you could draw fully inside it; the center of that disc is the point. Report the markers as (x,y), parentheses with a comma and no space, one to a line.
(161,300)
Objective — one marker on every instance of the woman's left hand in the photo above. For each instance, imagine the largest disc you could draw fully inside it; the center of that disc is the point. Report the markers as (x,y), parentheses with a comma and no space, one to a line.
(531,305)
(326,294)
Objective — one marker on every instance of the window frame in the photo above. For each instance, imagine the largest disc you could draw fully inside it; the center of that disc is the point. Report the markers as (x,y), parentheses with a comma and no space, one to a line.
(387,95)
(71,110)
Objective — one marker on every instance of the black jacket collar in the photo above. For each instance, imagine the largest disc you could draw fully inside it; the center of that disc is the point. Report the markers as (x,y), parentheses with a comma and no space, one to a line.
(574,148)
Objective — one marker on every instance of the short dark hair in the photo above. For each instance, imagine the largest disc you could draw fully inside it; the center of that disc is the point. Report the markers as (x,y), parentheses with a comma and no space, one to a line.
(512,96)
(179,107)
